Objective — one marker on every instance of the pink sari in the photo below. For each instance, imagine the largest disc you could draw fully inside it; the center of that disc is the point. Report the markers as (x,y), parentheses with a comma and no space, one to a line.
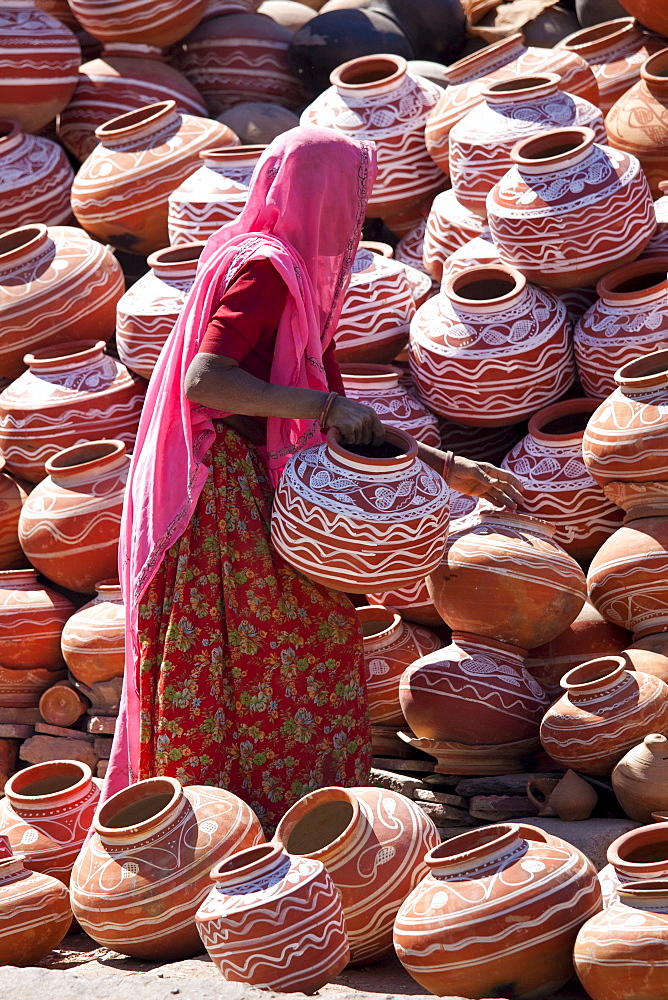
(305,210)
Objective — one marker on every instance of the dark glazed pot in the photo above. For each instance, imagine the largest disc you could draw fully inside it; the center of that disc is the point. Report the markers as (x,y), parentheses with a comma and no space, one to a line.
(435,28)
(591,12)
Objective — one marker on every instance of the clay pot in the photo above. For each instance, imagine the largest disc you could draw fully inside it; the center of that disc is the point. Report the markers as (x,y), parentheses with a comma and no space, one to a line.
(592,12)
(649,654)
(616,51)
(502,60)
(274,922)
(604,712)
(291,15)
(39,58)
(635,856)
(570,210)
(35,913)
(481,142)
(589,636)
(420,282)
(538,792)
(628,320)
(558,487)
(376,98)
(372,842)
(151,151)
(140,21)
(156,840)
(13,493)
(361,520)
(125,77)
(71,394)
(640,779)
(31,622)
(449,226)
(651,15)
(146,314)
(638,122)
(409,248)
(478,252)
(240,57)
(482,444)
(435,28)
(490,349)
(479,587)
(35,178)
(93,640)
(658,245)
(576,300)
(573,798)
(390,645)
(60,9)
(258,122)
(536,896)
(56,285)
(413,604)
(46,814)
(474,691)
(24,688)
(213,195)
(378,386)
(70,523)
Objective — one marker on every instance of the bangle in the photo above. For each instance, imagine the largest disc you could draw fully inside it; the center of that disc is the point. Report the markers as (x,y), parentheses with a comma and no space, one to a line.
(447,464)
(324,412)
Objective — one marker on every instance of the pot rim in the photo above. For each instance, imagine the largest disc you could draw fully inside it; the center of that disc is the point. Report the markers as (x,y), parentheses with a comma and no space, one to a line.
(462,67)
(110,450)
(648,70)
(566,408)
(22,242)
(604,33)
(146,826)
(605,287)
(579,678)
(130,122)
(244,866)
(584,135)
(377,247)
(37,771)
(231,155)
(643,373)
(473,848)
(653,833)
(183,257)
(302,807)
(396,67)
(482,272)
(520,87)
(376,612)
(393,435)
(81,350)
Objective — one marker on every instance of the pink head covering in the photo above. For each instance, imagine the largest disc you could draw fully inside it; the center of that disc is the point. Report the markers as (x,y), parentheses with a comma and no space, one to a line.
(304,212)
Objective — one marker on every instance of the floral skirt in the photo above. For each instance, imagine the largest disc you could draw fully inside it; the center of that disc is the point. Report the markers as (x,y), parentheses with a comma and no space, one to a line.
(251,676)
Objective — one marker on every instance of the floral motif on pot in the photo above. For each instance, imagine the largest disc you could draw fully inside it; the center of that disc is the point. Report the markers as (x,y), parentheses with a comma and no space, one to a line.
(35,913)
(139,21)
(378,386)
(93,640)
(35,178)
(31,622)
(449,226)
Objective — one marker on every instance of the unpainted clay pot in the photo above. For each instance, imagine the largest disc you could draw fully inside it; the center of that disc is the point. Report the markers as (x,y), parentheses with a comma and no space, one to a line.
(35,913)
(573,798)
(649,654)
(640,779)
(258,122)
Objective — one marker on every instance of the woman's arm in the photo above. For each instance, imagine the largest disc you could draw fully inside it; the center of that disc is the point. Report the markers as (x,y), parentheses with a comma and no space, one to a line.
(475,479)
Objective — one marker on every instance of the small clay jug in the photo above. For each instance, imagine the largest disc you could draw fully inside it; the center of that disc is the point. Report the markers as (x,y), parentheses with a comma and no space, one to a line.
(539,790)
(573,798)
(640,780)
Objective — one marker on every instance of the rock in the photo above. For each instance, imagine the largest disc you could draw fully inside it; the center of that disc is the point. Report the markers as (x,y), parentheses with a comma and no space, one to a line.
(101,769)
(9,755)
(440,781)
(394,764)
(102,746)
(503,784)
(69,734)
(101,724)
(39,749)
(499,808)
(19,716)
(428,795)
(443,815)
(401,783)
(13,732)
(591,836)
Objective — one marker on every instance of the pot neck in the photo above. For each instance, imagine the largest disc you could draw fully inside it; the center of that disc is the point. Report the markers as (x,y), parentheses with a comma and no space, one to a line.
(642,853)
(141,812)
(237,157)
(176,263)
(85,462)
(12,870)
(644,376)
(654,73)
(65,358)
(601,39)
(512,519)
(250,866)
(39,790)
(650,895)
(521,89)
(361,377)
(326,825)
(550,426)
(19,579)
(138,126)
(369,77)
(595,677)
(553,151)
(484,290)
(19,247)
(637,284)
(367,464)
(380,626)
(109,591)
(476,851)
(491,58)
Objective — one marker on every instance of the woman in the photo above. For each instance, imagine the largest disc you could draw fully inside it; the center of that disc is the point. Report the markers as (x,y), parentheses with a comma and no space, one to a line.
(243,672)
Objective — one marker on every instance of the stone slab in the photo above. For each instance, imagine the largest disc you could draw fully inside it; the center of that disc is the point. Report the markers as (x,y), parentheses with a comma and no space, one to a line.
(591,836)
(69,734)
(39,749)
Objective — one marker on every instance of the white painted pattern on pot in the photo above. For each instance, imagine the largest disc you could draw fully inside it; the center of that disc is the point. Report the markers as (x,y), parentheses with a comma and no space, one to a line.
(35,913)
(211,196)
(96,633)
(24,688)
(449,226)
(630,594)
(35,179)
(147,22)
(378,386)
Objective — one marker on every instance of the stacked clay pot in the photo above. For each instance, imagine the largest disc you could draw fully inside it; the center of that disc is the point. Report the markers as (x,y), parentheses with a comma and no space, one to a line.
(648,13)
(71,522)
(35,913)
(274,921)
(31,622)
(213,195)
(490,349)
(93,640)
(46,814)
(378,386)
(361,519)
(35,179)
(390,645)
(449,226)
(497,907)
(120,193)
(146,314)
(71,394)
(13,493)
(56,285)
(640,779)
(635,856)
(342,826)
(139,22)
(658,245)
(569,210)
(481,142)
(123,78)
(629,319)
(162,840)
(557,485)
(39,58)
(605,711)
(375,97)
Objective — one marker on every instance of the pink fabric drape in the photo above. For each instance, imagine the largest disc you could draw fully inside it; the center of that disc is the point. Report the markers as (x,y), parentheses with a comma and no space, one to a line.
(305,210)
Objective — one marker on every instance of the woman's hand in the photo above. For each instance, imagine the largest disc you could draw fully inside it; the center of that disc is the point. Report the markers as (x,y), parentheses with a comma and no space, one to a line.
(357,423)
(481,479)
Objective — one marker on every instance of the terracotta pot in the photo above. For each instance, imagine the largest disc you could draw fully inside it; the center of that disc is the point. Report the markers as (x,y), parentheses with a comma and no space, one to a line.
(409,250)
(31,622)
(638,122)
(658,245)
(46,814)
(240,57)
(146,314)
(481,142)
(71,522)
(24,688)
(449,226)
(652,15)
(375,97)
(35,178)
(505,578)
(390,645)
(629,320)
(604,712)
(378,386)
(152,840)
(490,349)
(569,210)
(573,798)
(13,493)
(474,691)
(72,393)
(39,58)
(640,779)
(120,193)
(125,77)
(412,603)
(589,636)
(213,195)
(536,897)
(60,9)
(372,842)
(422,286)
(274,921)
(482,444)
(635,856)
(616,51)
(258,122)
(649,654)
(56,285)
(364,519)
(93,640)
(576,300)
(502,60)
(558,487)
(35,913)
(140,21)
(478,252)
(291,15)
